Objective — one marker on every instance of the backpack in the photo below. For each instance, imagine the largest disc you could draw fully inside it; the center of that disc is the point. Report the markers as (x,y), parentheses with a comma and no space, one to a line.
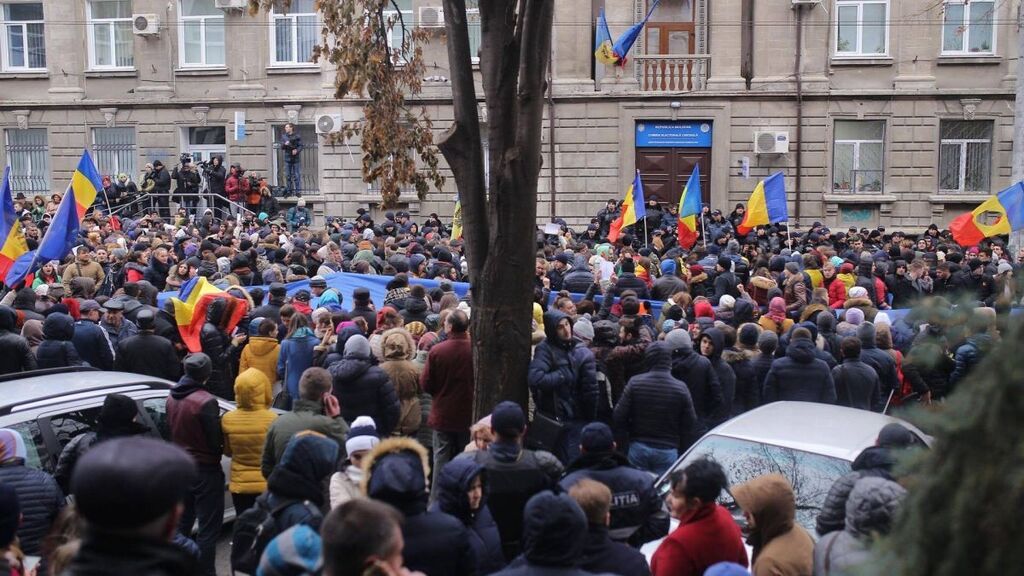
(254,530)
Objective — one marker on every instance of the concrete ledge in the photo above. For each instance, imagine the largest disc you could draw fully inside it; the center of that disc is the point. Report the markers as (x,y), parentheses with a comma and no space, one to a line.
(957,198)
(24,75)
(315,69)
(859,198)
(987,60)
(861,61)
(111,73)
(201,72)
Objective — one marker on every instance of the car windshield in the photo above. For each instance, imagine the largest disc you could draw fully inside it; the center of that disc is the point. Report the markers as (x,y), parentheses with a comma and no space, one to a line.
(810,474)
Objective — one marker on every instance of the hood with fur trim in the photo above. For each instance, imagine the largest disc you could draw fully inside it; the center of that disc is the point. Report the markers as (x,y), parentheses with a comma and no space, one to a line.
(396,472)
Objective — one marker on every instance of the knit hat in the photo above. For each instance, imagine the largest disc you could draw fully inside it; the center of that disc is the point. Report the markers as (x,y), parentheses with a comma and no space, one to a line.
(725,262)
(362,435)
(597,437)
(895,435)
(726,302)
(357,345)
(854,316)
(726,569)
(858,292)
(254,326)
(508,418)
(767,341)
(668,326)
(1004,267)
(678,340)
(198,367)
(583,329)
(294,552)
(748,335)
(882,319)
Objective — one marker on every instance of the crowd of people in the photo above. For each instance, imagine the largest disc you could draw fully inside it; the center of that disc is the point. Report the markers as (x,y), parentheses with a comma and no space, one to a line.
(373,464)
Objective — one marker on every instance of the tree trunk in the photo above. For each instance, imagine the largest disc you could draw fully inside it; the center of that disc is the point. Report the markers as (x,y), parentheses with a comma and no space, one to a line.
(500,223)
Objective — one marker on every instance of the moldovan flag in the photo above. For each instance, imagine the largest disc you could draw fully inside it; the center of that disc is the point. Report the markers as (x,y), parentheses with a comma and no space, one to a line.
(689,208)
(625,42)
(194,297)
(62,234)
(11,236)
(767,204)
(970,229)
(633,209)
(603,42)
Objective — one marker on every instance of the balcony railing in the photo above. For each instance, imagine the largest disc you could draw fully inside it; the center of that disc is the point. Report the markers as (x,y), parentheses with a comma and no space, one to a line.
(673,72)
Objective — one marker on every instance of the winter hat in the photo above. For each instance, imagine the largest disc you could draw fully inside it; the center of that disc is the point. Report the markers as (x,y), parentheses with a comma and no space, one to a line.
(597,437)
(894,435)
(507,418)
(727,302)
(668,267)
(357,345)
(679,339)
(725,262)
(198,367)
(254,326)
(882,319)
(10,514)
(12,445)
(583,329)
(703,309)
(854,316)
(748,335)
(858,292)
(668,326)
(1004,267)
(361,296)
(726,569)
(362,435)
(767,342)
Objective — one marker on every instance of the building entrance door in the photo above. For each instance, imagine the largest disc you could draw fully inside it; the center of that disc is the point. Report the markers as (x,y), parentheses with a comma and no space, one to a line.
(664,172)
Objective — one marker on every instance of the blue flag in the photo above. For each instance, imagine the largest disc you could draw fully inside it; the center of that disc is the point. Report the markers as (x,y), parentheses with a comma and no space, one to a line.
(625,42)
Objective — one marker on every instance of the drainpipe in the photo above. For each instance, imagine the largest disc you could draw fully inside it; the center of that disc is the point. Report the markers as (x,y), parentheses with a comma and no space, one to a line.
(799,106)
(551,132)
(747,42)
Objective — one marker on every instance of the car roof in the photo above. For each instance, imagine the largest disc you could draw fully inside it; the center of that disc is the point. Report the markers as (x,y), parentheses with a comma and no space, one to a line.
(42,385)
(827,429)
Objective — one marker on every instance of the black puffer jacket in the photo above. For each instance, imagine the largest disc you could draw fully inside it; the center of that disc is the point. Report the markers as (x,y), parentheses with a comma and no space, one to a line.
(874,461)
(217,345)
(57,350)
(881,360)
(415,310)
(800,376)
(701,379)
(578,279)
(563,375)
(857,385)
(726,377)
(363,389)
(452,485)
(40,498)
(629,281)
(656,408)
(15,353)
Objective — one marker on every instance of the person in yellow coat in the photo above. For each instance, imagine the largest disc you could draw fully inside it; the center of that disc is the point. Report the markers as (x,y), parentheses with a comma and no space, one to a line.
(262,350)
(245,432)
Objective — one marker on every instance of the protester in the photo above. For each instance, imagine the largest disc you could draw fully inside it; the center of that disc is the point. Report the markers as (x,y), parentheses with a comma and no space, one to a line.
(245,431)
(781,546)
(348,483)
(600,554)
(448,377)
(554,537)
(40,498)
(363,389)
(315,409)
(870,513)
(462,492)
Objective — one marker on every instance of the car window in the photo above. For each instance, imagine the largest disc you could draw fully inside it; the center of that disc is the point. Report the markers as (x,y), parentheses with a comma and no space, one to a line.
(811,475)
(36,455)
(156,408)
(68,425)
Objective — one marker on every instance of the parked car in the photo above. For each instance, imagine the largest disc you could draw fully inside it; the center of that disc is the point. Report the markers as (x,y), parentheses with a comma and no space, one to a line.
(811,444)
(50,407)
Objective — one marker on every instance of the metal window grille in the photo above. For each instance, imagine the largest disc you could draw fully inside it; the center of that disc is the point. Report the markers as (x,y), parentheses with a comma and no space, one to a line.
(28,155)
(114,150)
(308,158)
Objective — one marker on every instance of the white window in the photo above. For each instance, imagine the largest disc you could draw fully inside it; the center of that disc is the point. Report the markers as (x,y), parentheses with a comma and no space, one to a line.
(473,24)
(401,23)
(858,155)
(293,33)
(24,48)
(28,155)
(965,156)
(110,34)
(201,34)
(968,27)
(114,150)
(862,27)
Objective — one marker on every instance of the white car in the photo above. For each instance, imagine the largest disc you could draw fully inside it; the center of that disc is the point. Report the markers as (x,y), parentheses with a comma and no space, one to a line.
(810,444)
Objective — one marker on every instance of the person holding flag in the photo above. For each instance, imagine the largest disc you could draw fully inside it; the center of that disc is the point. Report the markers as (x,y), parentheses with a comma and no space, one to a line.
(12,237)
(970,229)
(689,208)
(633,209)
(767,204)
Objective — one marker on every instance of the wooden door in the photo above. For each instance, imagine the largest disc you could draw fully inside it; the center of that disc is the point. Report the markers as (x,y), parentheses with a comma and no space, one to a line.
(664,172)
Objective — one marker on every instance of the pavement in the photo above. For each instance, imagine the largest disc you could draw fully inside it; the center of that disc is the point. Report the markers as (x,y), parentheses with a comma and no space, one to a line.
(224,551)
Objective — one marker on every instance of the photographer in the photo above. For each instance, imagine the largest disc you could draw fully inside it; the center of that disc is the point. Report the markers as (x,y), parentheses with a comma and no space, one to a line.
(187,178)
(215,180)
(299,215)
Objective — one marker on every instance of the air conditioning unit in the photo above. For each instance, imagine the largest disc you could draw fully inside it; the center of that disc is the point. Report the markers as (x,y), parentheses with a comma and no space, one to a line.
(328,123)
(145,24)
(806,2)
(231,4)
(771,142)
(431,17)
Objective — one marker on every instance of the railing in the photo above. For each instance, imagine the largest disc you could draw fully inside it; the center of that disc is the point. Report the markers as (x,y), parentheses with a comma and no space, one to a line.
(196,203)
(861,182)
(673,72)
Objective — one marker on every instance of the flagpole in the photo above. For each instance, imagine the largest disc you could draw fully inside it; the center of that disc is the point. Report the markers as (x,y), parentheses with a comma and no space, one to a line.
(645,231)
(703,233)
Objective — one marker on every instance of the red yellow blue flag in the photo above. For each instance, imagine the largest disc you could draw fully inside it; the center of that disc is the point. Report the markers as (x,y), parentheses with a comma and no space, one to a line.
(689,208)
(1008,208)
(194,297)
(12,238)
(633,209)
(767,204)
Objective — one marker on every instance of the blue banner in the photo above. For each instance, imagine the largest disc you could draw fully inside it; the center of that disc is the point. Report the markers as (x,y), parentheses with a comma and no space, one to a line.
(669,134)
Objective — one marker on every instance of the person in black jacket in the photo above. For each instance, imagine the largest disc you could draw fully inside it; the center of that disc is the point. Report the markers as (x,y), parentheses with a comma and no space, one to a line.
(462,492)
(291,146)
(435,543)
(636,512)
(57,349)
(767,342)
(272,309)
(655,412)
(363,389)
(187,182)
(222,349)
(857,384)
(883,362)
(216,175)
(554,537)
(711,343)
(161,189)
(579,278)
(747,395)
(15,353)
(669,283)
(605,217)
(627,280)
(92,342)
(363,307)
(147,353)
(159,267)
(725,280)
(600,554)
(40,497)
(800,375)
(700,377)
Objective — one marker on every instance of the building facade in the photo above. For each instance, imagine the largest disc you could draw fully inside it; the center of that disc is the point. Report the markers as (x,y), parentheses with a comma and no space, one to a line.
(891,112)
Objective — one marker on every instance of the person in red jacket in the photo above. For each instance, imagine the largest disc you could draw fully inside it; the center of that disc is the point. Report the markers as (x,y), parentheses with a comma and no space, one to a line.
(448,378)
(707,533)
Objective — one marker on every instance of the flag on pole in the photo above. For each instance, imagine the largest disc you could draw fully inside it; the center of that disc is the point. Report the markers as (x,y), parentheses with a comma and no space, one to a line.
(603,43)
(767,204)
(62,235)
(457,220)
(633,208)
(689,208)
(969,229)
(12,238)
(194,297)
(625,42)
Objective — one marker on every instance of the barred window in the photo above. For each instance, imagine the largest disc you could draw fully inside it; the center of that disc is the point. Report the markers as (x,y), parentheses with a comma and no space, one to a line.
(308,167)
(114,150)
(965,156)
(28,155)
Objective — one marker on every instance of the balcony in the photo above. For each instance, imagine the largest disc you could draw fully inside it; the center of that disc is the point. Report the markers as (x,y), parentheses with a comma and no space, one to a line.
(672,72)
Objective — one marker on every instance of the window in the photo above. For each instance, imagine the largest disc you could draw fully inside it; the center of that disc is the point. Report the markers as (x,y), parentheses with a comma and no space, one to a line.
(293,34)
(71,424)
(858,156)
(399,33)
(201,34)
(110,34)
(965,156)
(36,455)
(24,48)
(862,27)
(114,150)
(968,27)
(308,158)
(473,24)
(29,159)
(156,408)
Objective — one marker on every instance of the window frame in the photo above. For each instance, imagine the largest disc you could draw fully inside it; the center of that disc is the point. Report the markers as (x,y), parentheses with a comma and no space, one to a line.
(90,29)
(45,179)
(5,55)
(294,24)
(859,53)
(855,165)
(182,20)
(408,18)
(963,144)
(966,26)
(99,150)
(310,150)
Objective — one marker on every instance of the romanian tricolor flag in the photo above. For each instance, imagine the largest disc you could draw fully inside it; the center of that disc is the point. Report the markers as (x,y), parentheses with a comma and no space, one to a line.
(62,235)
(194,297)
(689,208)
(1007,206)
(767,204)
(603,42)
(457,220)
(633,209)
(12,239)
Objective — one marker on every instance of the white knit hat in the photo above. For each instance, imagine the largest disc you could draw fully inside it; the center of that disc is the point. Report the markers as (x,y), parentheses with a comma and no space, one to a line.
(362,436)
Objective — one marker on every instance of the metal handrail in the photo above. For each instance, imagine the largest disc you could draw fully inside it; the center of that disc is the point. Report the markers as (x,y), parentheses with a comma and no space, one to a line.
(146,200)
